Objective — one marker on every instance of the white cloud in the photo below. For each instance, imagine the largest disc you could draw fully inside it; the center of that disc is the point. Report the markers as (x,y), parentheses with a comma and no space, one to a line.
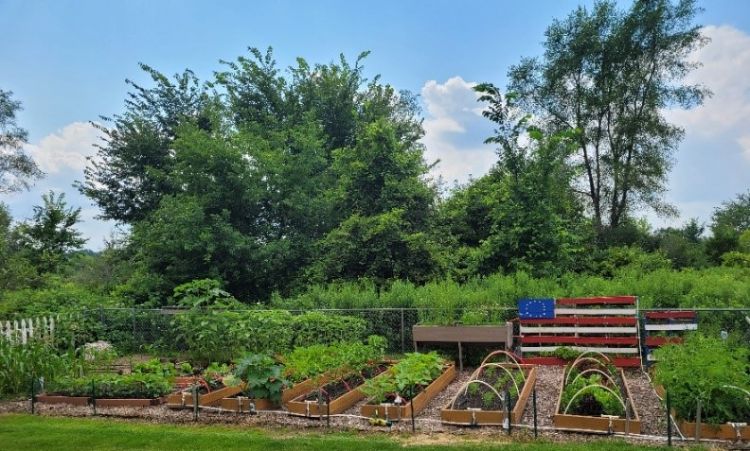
(713,163)
(65,149)
(455,130)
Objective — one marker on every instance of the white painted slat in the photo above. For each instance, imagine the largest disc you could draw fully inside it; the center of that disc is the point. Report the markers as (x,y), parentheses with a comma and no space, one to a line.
(684,326)
(595,312)
(577,330)
(603,350)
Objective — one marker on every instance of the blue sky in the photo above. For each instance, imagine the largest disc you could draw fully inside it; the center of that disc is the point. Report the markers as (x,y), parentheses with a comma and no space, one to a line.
(67,62)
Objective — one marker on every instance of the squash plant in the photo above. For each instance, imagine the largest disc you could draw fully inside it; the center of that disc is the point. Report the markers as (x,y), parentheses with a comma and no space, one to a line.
(407,378)
(263,375)
(706,369)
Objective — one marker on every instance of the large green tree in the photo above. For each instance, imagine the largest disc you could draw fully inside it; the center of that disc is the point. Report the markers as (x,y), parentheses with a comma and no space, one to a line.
(610,74)
(17,168)
(50,235)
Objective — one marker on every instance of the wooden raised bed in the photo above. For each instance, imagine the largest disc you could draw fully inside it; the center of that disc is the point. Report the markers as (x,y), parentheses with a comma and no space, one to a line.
(242,404)
(128,402)
(715,431)
(584,423)
(184,399)
(420,401)
(478,417)
(59,399)
(300,407)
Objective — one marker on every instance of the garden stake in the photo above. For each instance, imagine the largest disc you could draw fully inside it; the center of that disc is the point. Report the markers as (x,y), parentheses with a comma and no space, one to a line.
(533,403)
(195,403)
(411,402)
(669,418)
(93,395)
(627,416)
(328,410)
(33,395)
(507,409)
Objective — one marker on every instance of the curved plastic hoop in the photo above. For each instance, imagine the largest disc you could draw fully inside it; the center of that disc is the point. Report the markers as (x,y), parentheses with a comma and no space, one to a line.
(584,359)
(624,407)
(589,354)
(476,372)
(746,392)
(453,404)
(594,370)
(500,351)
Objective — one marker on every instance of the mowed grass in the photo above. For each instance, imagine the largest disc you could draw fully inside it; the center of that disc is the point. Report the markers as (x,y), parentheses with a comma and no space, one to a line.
(26,432)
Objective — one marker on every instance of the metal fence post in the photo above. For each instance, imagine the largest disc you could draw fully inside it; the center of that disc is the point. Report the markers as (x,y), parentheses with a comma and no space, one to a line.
(507,410)
(403,332)
(33,395)
(93,395)
(533,399)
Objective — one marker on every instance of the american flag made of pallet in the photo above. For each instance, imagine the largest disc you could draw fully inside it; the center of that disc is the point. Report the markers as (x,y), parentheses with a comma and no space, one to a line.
(664,327)
(606,324)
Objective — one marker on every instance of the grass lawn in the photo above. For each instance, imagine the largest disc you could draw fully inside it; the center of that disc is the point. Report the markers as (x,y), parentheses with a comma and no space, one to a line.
(26,432)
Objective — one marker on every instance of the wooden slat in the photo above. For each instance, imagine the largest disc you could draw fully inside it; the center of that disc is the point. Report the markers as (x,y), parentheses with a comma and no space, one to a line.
(600,300)
(577,330)
(530,339)
(685,326)
(672,314)
(595,321)
(595,311)
(603,350)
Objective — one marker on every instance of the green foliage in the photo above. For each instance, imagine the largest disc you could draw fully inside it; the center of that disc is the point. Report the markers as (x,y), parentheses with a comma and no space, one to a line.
(263,375)
(407,378)
(155,366)
(702,368)
(593,59)
(314,361)
(50,235)
(316,327)
(594,400)
(18,363)
(17,168)
(136,386)
(204,293)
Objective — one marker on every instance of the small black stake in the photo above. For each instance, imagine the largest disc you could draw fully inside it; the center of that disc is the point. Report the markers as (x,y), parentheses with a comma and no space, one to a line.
(669,419)
(93,395)
(533,398)
(411,403)
(33,395)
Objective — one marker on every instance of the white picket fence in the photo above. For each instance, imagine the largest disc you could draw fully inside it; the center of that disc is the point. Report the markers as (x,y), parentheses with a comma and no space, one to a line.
(21,332)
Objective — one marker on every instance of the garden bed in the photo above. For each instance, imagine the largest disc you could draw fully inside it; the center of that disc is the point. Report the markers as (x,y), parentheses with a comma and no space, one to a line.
(715,431)
(342,394)
(60,399)
(244,404)
(489,415)
(184,399)
(420,401)
(604,401)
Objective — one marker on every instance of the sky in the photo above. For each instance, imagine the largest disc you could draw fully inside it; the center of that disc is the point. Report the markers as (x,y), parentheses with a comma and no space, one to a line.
(67,61)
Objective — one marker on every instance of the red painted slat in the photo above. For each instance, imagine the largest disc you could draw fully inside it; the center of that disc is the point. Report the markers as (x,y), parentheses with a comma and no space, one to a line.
(601,300)
(661,341)
(672,314)
(567,340)
(624,362)
(582,321)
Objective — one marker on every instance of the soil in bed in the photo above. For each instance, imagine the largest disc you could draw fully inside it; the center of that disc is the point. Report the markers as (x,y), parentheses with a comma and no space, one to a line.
(339,387)
(479,396)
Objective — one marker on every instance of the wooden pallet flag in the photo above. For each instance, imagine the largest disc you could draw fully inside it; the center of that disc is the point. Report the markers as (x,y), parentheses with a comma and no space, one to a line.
(603,324)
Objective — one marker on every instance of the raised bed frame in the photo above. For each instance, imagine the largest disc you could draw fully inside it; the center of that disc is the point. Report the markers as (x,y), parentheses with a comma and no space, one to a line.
(314,409)
(184,399)
(715,431)
(585,423)
(242,404)
(479,417)
(100,402)
(396,413)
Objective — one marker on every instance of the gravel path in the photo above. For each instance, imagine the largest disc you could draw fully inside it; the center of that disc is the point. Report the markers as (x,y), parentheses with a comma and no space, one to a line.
(548,382)
(646,403)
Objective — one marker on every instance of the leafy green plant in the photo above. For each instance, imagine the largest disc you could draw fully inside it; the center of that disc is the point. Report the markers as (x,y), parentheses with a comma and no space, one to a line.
(407,377)
(155,366)
(263,375)
(705,368)
(594,400)
(136,385)
(18,363)
(488,399)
